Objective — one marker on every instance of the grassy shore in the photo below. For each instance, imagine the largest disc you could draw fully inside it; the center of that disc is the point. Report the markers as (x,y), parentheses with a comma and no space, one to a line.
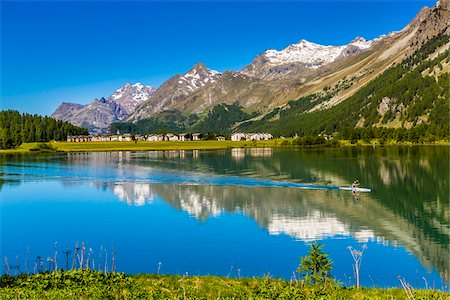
(187,145)
(97,285)
(145,146)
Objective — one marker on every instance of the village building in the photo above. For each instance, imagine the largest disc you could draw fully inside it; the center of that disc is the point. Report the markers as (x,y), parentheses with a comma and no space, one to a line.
(196,136)
(125,138)
(155,138)
(221,138)
(239,136)
(105,138)
(183,137)
(78,138)
(171,137)
(138,137)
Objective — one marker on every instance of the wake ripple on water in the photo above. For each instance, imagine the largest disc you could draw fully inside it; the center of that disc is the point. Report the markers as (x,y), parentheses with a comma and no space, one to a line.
(179,178)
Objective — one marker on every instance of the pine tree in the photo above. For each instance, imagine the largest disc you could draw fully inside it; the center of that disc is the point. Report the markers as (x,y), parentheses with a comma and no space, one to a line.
(316,266)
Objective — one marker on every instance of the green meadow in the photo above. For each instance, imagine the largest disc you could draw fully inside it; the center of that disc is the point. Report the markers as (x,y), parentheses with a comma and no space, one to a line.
(188,145)
(87,284)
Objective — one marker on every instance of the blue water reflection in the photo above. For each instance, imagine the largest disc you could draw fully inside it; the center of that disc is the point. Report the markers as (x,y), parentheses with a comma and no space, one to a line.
(163,212)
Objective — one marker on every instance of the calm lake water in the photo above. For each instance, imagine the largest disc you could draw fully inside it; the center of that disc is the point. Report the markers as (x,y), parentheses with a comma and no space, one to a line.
(239,212)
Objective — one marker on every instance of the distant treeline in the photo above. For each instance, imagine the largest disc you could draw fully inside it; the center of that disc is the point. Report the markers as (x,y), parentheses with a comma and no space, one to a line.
(219,120)
(168,121)
(17,128)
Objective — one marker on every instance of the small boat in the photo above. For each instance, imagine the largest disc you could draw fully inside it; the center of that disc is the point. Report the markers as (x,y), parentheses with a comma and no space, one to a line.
(356,189)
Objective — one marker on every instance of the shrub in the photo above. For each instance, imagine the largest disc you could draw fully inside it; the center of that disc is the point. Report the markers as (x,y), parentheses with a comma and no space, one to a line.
(316,266)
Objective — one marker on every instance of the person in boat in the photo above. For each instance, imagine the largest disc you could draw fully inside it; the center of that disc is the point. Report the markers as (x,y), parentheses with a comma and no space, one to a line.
(355,186)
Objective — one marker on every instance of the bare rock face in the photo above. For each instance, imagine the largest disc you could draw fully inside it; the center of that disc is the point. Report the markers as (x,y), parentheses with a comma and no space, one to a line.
(431,22)
(66,110)
(100,113)
(176,90)
(131,95)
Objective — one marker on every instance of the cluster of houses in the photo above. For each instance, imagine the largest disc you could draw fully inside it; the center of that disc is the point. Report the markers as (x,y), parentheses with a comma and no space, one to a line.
(239,136)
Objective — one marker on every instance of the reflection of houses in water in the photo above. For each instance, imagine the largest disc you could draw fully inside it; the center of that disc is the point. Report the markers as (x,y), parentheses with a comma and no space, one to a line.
(99,157)
(388,215)
(315,226)
(261,152)
(240,153)
(136,194)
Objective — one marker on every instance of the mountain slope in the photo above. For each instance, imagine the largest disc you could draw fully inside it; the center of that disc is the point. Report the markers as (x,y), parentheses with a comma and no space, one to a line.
(175,90)
(130,96)
(400,83)
(66,110)
(302,59)
(262,86)
(277,80)
(99,114)
(411,94)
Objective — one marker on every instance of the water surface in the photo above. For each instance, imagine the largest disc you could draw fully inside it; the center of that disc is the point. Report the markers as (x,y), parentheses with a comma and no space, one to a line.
(239,212)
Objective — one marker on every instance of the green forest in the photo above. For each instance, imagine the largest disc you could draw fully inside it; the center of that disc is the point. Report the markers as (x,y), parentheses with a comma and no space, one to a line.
(168,121)
(17,128)
(219,119)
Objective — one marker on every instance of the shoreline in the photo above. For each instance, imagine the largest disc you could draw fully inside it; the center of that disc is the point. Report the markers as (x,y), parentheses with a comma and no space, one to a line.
(194,145)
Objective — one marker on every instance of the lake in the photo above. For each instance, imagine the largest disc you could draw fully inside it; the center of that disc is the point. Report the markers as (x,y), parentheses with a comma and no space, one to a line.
(236,213)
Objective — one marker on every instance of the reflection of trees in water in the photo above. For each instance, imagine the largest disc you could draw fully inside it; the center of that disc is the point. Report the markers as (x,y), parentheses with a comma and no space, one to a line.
(9,182)
(309,215)
(409,202)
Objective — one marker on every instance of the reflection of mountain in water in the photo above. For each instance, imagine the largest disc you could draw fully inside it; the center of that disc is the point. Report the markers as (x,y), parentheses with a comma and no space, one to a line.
(136,194)
(279,210)
(408,205)
(304,215)
(409,202)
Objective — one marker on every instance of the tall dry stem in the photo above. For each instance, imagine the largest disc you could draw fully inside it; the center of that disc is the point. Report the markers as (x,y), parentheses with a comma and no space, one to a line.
(357,258)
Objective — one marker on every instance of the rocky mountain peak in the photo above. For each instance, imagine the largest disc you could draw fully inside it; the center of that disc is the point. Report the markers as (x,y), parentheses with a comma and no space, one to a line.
(65,110)
(176,90)
(302,57)
(129,96)
(311,54)
(198,76)
(361,43)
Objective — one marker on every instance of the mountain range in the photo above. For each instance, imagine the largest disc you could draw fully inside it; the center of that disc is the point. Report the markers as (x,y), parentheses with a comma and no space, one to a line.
(269,84)
(100,113)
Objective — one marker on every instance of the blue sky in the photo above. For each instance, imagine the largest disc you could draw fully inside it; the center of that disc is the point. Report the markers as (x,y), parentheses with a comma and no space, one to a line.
(77,51)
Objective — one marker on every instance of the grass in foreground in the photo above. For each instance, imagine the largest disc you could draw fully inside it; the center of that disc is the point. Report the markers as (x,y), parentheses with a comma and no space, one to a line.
(88,284)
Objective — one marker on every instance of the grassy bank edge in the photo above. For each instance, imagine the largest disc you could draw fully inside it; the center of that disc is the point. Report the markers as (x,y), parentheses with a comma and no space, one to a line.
(194,145)
(87,284)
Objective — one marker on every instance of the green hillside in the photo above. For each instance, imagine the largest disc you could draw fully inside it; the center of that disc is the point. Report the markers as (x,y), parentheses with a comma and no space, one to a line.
(417,99)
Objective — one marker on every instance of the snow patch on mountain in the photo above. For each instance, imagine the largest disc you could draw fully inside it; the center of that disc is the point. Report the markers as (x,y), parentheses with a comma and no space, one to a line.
(198,77)
(313,55)
(130,95)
